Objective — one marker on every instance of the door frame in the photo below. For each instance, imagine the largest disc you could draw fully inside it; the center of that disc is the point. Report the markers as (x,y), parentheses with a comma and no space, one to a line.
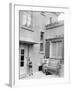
(20,48)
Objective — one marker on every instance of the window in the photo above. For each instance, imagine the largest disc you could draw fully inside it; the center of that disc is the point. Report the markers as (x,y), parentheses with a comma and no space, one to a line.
(28,20)
(42,36)
(42,40)
(22,58)
(22,51)
(41,46)
(25,18)
(56,50)
(22,64)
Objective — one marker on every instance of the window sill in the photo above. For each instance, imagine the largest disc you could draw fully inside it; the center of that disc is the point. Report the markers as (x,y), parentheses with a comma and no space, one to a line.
(27,28)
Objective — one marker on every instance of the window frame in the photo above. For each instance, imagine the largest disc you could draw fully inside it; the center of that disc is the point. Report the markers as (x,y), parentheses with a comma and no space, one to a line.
(25,26)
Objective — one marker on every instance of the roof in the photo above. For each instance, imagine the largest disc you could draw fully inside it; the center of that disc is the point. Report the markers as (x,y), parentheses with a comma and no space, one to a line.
(28,41)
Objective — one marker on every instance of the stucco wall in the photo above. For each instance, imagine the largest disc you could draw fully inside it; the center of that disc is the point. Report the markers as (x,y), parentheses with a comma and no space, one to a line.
(35,50)
(55,32)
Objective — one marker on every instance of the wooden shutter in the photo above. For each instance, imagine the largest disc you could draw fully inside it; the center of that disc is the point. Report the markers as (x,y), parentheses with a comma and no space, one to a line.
(63,50)
(47,49)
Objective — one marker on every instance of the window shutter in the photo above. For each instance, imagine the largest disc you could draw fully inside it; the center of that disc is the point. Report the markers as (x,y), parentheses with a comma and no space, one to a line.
(63,50)
(47,49)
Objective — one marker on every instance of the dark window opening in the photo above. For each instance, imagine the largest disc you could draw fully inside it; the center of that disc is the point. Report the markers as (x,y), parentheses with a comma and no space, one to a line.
(42,36)
(41,46)
(22,64)
(22,51)
(22,58)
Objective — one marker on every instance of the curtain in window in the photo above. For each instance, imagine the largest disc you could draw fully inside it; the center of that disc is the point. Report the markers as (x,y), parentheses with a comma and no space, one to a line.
(56,50)
(54,45)
(26,19)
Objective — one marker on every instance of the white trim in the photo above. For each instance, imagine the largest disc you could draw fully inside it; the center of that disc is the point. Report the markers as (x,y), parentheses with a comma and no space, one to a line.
(14,64)
(12,47)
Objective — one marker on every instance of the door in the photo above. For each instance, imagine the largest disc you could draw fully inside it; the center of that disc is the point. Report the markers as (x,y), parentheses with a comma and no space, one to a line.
(23,55)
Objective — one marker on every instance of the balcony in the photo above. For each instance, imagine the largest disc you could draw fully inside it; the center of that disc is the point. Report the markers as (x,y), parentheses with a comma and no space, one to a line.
(54,25)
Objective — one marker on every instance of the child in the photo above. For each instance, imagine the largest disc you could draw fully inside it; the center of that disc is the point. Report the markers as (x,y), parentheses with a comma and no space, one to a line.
(30,72)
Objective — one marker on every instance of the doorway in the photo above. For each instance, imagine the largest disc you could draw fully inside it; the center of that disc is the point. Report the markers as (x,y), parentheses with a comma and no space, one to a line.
(23,56)
(21,61)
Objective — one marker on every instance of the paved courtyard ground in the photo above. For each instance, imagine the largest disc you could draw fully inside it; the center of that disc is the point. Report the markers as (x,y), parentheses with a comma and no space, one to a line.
(38,75)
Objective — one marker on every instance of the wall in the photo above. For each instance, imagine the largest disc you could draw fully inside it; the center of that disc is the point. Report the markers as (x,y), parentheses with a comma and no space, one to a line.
(37,27)
(52,33)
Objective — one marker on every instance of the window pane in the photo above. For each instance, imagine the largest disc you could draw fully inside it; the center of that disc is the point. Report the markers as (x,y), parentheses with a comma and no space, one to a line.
(25,18)
(41,46)
(24,21)
(59,50)
(22,58)
(28,20)
(56,50)
(22,51)
(22,64)
(42,35)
